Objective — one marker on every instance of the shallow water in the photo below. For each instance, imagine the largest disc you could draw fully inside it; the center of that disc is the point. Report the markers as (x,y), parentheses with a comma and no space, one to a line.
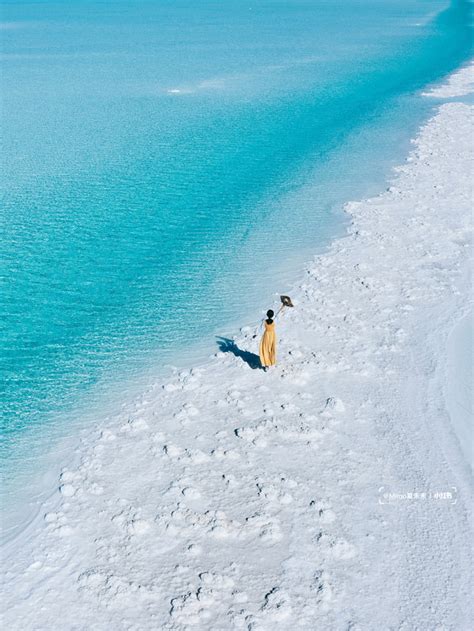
(163,163)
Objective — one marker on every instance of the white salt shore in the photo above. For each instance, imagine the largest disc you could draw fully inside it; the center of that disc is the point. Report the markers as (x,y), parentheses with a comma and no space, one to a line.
(331,493)
(458,383)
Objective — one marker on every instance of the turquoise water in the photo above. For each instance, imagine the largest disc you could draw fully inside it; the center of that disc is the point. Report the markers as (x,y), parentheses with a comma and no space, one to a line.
(163,161)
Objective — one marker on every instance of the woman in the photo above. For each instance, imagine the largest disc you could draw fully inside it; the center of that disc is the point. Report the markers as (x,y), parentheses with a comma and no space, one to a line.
(268,343)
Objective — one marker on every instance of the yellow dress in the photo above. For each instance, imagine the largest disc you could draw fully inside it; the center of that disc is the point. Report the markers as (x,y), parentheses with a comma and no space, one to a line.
(268,345)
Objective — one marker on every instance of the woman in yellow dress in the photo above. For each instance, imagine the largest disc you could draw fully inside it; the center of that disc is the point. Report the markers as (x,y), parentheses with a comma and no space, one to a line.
(268,343)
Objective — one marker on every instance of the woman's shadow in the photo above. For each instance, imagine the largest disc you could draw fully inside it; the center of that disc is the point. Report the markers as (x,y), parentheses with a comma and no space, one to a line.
(227,345)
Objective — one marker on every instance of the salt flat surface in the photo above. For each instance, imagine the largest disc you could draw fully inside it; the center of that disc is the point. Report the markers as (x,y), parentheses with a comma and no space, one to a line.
(230,498)
(458,383)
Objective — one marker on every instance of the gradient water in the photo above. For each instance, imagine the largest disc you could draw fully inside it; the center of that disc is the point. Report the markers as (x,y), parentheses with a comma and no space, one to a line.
(164,161)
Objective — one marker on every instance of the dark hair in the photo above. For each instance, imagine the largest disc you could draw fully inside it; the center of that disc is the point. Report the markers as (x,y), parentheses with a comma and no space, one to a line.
(270,314)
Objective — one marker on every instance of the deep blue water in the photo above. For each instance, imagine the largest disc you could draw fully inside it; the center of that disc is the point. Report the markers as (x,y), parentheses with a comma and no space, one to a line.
(162,161)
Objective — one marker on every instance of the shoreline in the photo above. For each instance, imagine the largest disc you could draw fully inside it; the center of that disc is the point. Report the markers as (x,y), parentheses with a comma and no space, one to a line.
(238,480)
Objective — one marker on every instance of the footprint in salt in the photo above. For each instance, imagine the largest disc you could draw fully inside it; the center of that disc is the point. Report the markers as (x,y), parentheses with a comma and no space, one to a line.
(266,528)
(220,453)
(289,408)
(277,605)
(300,379)
(173,451)
(68,490)
(191,493)
(332,406)
(275,493)
(171,387)
(137,424)
(323,588)
(191,410)
(254,435)
(107,435)
(198,607)
(325,514)
(95,489)
(339,548)
(194,550)
(57,523)
(296,353)
(65,531)
(342,549)
(138,526)
(268,409)
(196,456)
(230,480)
(187,412)
(50,518)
